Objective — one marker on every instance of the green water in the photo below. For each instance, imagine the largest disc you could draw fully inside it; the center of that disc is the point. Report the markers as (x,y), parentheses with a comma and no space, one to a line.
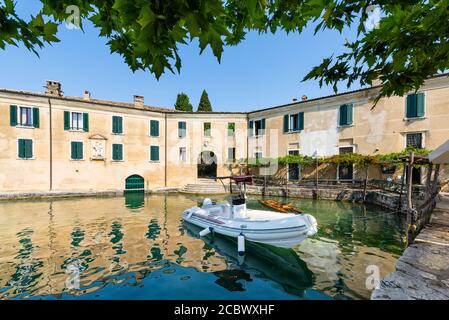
(136,247)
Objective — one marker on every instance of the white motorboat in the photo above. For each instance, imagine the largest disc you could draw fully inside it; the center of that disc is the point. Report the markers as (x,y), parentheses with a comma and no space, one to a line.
(233,219)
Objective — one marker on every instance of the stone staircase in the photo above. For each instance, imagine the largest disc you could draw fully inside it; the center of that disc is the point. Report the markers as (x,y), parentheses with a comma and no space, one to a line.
(204,186)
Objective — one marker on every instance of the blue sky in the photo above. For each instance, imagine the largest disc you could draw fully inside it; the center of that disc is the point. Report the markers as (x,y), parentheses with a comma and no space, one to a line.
(263,71)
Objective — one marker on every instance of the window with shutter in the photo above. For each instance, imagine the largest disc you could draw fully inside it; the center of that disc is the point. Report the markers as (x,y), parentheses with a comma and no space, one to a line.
(207,129)
(154,153)
(345,118)
(231,129)
(76,152)
(117,152)
(154,128)
(182,127)
(25,148)
(117,125)
(415,105)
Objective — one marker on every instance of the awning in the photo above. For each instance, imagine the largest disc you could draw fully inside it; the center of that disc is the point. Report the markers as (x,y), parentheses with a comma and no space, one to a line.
(441,154)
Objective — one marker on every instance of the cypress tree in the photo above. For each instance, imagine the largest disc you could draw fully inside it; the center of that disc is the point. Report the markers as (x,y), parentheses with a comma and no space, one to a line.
(183,102)
(204,105)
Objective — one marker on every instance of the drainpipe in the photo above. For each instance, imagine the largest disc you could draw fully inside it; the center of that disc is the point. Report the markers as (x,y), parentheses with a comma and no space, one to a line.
(51,146)
(165,157)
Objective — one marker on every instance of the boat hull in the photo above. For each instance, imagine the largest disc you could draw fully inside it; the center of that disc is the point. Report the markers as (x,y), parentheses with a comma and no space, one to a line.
(285,232)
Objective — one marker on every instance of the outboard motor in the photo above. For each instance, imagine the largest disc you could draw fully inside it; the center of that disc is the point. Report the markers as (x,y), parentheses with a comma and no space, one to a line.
(238,206)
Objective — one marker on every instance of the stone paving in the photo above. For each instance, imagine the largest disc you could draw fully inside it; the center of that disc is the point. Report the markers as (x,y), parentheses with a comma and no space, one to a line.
(422,272)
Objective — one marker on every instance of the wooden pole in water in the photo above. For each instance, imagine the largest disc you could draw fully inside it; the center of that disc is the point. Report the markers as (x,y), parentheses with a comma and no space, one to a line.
(411,160)
(366,181)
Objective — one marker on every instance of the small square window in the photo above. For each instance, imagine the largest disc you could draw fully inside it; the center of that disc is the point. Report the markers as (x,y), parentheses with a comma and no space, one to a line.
(414,140)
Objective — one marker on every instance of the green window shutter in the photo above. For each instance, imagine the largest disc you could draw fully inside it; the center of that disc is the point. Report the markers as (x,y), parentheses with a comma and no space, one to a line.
(301,121)
(117,152)
(86,122)
(262,126)
(114,124)
(411,106)
(28,148)
(154,153)
(13,115)
(114,152)
(286,116)
(251,128)
(120,124)
(21,145)
(36,117)
(343,115)
(154,128)
(66,120)
(73,151)
(76,150)
(79,150)
(349,113)
(120,152)
(420,105)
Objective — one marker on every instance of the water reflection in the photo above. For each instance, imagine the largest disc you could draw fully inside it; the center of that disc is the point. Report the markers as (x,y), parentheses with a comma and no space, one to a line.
(138,248)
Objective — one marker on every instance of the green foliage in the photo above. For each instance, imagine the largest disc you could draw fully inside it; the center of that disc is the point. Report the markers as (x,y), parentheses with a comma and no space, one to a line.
(345,158)
(183,103)
(204,105)
(409,44)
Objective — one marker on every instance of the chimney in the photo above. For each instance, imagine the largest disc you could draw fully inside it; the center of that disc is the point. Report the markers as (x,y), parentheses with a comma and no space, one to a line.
(304,98)
(86,95)
(53,88)
(139,101)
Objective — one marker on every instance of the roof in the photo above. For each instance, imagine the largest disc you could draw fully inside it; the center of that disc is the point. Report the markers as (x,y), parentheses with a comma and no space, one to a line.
(295,103)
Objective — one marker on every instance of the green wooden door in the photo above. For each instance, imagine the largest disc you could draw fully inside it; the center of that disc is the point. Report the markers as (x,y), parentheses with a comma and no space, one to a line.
(134,183)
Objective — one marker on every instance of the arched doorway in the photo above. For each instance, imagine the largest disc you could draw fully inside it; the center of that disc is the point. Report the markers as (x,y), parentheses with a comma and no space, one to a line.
(134,183)
(207,165)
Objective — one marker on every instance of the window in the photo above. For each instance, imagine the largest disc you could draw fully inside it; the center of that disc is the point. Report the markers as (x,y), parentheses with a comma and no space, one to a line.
(231,129)
(25,148)
(24,116)
(117,125)
(207,129)
(231,154)
(154,128)
(182,154)
(117,152)
(76,150)
(257,127)
(182,129)
(76,121)
(294,122)
(345,118)
(415,105)
(154,153)
(258,155)
(414,140)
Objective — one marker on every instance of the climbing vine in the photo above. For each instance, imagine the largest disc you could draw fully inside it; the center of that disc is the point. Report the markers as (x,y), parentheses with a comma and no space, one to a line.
(391,159)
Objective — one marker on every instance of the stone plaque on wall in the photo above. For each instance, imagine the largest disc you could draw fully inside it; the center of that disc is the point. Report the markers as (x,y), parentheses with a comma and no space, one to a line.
(97,147)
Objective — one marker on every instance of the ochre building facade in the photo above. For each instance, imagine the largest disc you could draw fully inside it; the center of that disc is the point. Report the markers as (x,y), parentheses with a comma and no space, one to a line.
(49,141)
